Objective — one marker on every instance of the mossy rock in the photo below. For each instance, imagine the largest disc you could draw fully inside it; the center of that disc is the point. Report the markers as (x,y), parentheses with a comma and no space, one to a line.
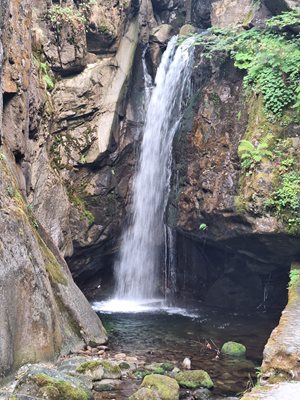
(110,370)
(194,379)
(166,387)
(233,349)
(145,394)
(59,389)
(92,369)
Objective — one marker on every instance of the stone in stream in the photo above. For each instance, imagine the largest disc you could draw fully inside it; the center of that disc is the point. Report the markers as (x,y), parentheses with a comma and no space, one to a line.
(145,394)
(161,387)
(94,367)
(107,385)
(194,379)
(233,349)
(202,394)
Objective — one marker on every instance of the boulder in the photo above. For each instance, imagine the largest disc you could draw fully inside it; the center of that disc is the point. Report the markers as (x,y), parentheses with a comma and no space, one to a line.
(44,382)
(187,29)
(106,385)
(167,388)
(233,349)
(194,379)
(228,13)
(162,33)
(145,394)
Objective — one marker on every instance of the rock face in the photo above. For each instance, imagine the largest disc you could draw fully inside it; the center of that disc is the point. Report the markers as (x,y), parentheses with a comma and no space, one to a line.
(43,313)
(229,13)
(282,352)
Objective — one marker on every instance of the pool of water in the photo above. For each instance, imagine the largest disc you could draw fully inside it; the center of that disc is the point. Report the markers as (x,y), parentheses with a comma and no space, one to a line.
(159,333)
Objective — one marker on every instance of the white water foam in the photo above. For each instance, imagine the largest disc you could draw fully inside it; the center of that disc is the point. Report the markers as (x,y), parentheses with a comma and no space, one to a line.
(146,306)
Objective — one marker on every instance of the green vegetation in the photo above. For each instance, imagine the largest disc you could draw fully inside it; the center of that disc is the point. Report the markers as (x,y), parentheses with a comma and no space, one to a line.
(203,227)
(53,388)
(60,15)
(81,206)
(285,201)
(294,278)
(251,155)
(44,73)
(194,379)
(233,349)
(88,366)
(270,57)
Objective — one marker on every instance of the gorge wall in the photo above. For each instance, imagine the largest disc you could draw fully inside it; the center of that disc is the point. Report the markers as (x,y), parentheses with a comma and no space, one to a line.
(72,90)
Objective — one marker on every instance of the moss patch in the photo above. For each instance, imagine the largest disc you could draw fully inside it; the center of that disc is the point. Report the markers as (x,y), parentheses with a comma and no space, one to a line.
(88,366)
(194,379)
(233,349)
(66,390)
(166,387)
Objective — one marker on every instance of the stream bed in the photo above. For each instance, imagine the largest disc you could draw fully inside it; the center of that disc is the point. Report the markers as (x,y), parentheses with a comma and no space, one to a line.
(171,334)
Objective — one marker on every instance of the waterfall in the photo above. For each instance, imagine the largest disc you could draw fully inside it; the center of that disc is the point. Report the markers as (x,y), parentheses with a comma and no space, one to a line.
(137,270)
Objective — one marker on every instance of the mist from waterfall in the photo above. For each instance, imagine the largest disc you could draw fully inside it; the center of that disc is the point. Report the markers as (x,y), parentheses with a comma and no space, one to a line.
(137,270)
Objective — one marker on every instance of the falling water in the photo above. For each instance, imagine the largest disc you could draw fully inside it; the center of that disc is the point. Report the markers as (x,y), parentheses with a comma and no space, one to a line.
(137,271)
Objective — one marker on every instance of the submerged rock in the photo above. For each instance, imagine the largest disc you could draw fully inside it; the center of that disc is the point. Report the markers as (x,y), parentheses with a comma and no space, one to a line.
(167,388)
(233,349)
(145,394)
(194,379)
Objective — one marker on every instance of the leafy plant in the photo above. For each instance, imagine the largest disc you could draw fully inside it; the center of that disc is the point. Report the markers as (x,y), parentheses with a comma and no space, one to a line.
(2,156)
(270,57)
(285,20)
(60,15)
(285,201)
(294,278)
(203,227)
(251,155)
(44,72)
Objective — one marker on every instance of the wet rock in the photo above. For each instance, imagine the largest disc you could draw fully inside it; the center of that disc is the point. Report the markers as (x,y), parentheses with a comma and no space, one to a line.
(166,387)
(202,394)
(106,385)
(187,29)
(194,379)
(162,33)
(49,383)
(233,349)
(92,369)
(145,394)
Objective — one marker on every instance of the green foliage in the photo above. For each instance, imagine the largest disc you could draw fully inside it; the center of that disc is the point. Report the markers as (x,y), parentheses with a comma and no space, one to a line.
(270,57)
(60,15)
(285,20)
(2,156)
(203,227)
(285,201)
(81,206)
(294,278)
(251,155)
(44,72)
